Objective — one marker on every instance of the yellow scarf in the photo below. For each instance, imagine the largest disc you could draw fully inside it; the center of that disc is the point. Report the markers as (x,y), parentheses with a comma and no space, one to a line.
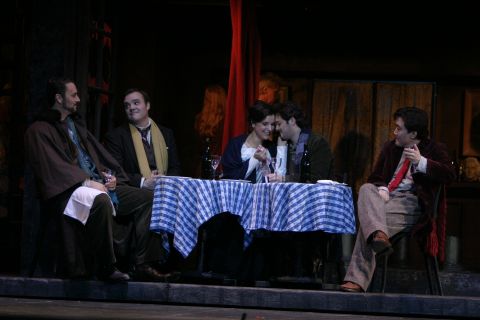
(159,150)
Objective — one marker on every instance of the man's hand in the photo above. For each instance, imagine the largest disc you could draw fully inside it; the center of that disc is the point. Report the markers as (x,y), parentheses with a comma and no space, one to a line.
(413,154)
(149,183)
(384,194)
(111,183)
(273,177)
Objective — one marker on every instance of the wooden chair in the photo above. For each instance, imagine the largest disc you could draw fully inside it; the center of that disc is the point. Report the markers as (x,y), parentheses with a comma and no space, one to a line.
(431,263)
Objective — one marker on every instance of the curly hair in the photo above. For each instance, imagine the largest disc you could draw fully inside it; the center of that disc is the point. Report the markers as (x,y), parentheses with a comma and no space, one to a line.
(213,111)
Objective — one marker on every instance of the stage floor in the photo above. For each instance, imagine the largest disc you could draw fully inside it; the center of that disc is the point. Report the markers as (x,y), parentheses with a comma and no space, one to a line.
(215,302)
(15,308)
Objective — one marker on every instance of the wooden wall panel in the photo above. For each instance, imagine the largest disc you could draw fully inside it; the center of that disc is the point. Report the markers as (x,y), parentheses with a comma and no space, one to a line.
(391,96)
(342,112)
(356,119)
(300,91)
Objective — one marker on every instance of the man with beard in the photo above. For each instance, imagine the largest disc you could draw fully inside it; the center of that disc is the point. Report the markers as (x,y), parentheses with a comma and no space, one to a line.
(70,167)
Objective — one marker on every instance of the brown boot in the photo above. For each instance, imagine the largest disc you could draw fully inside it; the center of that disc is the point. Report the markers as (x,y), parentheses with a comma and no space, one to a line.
(349,286)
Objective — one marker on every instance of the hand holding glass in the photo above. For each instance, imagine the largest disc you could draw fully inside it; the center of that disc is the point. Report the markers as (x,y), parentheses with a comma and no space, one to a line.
(109,178)
(275,163)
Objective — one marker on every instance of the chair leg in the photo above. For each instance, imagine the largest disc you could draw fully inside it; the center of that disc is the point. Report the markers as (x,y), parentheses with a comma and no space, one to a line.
(326,242)
(437,276)
(428,271)
(201,258)
(432,270)
(384,273)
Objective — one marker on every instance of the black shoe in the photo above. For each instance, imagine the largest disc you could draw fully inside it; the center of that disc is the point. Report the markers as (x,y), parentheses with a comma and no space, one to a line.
(146,272)
(114,275)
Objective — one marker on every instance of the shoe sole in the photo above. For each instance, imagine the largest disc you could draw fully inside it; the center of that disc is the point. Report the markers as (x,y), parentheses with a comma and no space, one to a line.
(353,290)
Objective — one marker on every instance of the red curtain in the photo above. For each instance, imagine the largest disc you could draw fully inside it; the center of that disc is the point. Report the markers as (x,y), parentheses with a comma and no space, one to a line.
(244,68)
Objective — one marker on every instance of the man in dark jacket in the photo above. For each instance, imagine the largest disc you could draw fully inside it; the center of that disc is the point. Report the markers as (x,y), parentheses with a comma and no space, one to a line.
(290,124)
(144,149)
(70,168)
(399,195)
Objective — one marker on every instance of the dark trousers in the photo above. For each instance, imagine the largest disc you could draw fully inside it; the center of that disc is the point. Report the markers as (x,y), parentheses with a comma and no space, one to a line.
(89,249)
(104,240)
(135,244)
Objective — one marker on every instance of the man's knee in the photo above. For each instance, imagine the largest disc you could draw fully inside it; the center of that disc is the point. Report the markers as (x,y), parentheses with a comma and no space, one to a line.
(367,188)
(136,195)
(102,203)
(145,196)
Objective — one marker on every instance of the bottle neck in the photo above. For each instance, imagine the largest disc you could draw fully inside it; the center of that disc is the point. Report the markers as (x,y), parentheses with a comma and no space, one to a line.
(207,145)
(305,150)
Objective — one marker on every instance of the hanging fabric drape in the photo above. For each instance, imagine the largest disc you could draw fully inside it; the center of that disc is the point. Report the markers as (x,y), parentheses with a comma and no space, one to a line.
(244,68)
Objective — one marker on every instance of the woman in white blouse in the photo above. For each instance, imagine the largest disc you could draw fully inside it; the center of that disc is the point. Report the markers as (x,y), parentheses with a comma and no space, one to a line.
(249,156)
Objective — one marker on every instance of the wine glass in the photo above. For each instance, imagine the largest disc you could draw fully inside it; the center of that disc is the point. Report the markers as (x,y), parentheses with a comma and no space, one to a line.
(273,163)
(214,162)
(276,164)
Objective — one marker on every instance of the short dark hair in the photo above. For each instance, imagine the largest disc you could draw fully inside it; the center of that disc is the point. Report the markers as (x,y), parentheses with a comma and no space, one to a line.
(414,119)
(145,95)
(259,111)
(271,80)
(288,110)
(57,85)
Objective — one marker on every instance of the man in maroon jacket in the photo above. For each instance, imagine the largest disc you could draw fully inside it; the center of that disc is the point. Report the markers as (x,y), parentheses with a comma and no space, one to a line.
(399,195)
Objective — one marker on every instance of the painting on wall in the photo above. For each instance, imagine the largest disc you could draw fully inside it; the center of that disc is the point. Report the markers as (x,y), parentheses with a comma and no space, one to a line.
(471,124)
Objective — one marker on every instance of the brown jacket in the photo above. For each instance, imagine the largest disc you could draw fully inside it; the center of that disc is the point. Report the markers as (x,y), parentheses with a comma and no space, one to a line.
(53,157)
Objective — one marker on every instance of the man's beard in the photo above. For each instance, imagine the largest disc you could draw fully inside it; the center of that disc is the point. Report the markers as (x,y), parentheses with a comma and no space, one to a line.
(72,109)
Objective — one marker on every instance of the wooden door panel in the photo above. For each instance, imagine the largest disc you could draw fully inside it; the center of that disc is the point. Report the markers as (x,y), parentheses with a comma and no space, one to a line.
(342,112)
(391,96)
(356,118)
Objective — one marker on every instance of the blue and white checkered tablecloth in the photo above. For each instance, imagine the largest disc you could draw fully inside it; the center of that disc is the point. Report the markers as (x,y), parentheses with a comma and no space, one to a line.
(181,205)
(301,207)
